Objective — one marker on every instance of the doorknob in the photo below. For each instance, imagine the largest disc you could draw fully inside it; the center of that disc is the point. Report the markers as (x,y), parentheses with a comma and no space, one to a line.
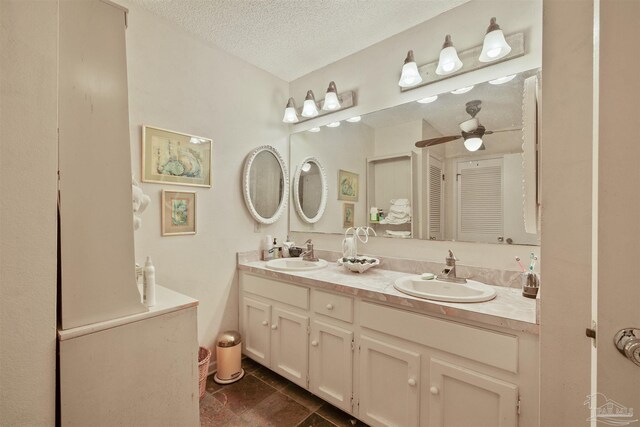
(265,323)
(314,343)
(627,341)
(274,327)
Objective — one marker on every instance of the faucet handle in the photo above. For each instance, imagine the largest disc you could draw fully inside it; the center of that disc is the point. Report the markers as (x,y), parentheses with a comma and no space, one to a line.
(452,256)
(309,244)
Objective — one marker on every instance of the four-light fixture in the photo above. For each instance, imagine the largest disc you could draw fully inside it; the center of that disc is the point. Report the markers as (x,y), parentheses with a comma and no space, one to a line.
(494,48)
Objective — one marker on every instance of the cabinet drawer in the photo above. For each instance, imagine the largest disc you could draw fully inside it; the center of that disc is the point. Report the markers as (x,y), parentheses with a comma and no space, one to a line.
(337,306)
(482,345)
(296,296)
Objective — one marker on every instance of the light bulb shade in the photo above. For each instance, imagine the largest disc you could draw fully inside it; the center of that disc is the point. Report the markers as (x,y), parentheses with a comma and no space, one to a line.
(331,102)
(462,90)
(469,125)
(314,130)
(333,125)
(473,143)
(410,75)
(449,62)
(290,114)
(502,80)
(309,108)
(427,100)
(355,119)
(495,46)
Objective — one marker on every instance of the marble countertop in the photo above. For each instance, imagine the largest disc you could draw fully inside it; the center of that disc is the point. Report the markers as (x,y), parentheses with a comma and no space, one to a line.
(509,309)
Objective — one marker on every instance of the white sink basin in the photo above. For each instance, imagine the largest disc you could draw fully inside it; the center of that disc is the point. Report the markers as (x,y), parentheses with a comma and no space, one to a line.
(295,264)
(437,290)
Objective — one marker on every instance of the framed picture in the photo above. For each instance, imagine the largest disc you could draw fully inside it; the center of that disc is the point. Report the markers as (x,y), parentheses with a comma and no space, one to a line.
(178,213)
(175,158)
(348,214)
(348,186)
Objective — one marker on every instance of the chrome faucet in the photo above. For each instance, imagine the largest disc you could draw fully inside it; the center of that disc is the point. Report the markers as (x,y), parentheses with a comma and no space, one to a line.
(309,255)
(449,273)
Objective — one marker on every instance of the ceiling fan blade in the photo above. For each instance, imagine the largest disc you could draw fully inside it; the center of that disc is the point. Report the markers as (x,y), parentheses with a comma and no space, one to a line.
(489,132)
(436,141)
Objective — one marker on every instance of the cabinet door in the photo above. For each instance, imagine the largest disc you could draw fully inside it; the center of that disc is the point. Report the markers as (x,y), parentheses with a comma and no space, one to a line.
(256,335)
(460,397)
(331,364)
(389,388)
(290,345)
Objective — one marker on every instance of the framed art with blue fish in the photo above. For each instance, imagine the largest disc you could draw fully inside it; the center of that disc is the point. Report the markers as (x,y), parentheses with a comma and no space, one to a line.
(175,158)
(348,186)
(178,213)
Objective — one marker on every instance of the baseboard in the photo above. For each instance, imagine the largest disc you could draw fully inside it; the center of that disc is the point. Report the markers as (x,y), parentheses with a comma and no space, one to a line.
(213,366)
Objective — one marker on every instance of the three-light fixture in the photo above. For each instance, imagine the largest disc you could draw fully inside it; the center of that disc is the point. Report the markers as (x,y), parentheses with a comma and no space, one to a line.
(311,108)
(494,48)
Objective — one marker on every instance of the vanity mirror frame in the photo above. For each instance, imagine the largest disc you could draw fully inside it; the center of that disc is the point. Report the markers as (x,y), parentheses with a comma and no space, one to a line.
(296,191)
(246,183)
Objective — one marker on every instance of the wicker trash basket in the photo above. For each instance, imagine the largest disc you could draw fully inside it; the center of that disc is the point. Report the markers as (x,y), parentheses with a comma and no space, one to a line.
(204,355)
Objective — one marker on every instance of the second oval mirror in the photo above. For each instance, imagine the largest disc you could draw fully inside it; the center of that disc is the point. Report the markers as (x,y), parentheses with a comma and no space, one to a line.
(310,190)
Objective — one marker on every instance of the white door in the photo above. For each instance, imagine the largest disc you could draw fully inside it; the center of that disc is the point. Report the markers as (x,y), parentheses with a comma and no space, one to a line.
(480,199)
(256,318)
(434,198)
(389,384)
(618,291)
(331,364)
(460,397)
(290,345)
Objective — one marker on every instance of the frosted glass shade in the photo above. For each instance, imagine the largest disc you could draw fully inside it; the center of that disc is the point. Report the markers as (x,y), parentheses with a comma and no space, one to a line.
(494,47)
(309,108)
(314,130)
(427,100)
(331,102)
(502,80)
(355,119)
(410,75)
(473,143)
(449,62)
(462,90)
(290,115)
(333,125)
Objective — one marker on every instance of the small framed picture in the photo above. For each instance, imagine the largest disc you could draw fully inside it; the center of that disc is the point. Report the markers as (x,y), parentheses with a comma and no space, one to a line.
(178,213)
(348,214)
(348,186)
(175,158)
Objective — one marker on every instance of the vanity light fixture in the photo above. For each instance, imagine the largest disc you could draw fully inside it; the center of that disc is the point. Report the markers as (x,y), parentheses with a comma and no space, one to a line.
(502,80)
(314,130)
(290,115)
(462,90)
(473,143)
(355,119)
(306,167)
(331,102)
(310,108)
(333,125)
(427,100)
(410,75)
(449,62)
(495,46)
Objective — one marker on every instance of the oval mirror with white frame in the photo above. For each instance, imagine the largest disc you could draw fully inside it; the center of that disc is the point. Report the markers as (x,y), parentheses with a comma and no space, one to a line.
(310,190)
(265,184)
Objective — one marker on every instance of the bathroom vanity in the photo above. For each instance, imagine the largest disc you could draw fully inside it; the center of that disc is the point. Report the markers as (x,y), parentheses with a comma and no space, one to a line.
(346,338)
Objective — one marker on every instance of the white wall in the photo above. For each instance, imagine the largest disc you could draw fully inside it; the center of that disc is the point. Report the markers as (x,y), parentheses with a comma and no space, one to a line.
(373,73)
(346,147)
(28,168)
(180,83)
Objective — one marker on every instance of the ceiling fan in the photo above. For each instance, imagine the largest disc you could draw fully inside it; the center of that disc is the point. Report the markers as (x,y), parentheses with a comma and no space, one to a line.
(471,130)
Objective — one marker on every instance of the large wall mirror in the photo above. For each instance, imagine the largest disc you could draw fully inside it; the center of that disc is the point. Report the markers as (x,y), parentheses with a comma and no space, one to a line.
(310,190)
(471,177)
(265,184)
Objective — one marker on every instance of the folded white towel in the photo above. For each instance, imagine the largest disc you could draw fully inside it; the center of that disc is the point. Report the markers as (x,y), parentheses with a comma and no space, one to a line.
(400,209)
(400,202)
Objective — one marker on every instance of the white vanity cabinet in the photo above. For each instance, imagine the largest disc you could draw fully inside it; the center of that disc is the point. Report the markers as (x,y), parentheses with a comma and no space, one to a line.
(390,366)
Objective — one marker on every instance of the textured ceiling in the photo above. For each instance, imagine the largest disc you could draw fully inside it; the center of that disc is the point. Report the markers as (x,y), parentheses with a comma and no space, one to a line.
(290,38)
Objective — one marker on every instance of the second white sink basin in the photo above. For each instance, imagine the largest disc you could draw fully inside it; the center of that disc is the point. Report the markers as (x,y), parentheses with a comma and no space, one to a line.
(295,264)
(437,290)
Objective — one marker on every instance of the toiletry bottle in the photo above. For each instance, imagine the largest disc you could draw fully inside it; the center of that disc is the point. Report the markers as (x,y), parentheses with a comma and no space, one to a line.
(149,284)
(267,250)
(277,250)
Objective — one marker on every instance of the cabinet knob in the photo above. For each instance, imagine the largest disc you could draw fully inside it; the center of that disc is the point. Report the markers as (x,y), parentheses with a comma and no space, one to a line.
(265,323)
(329,306)
(314,343)
(274,327)
(434,390)
(412,382)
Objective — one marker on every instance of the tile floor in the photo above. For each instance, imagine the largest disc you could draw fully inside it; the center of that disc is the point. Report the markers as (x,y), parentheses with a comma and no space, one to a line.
(263,399)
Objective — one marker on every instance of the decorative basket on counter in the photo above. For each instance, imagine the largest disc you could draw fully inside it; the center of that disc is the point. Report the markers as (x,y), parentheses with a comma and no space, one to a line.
(359,264)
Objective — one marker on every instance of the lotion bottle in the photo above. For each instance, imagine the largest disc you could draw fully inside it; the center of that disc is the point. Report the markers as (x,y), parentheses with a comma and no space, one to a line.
(149,284)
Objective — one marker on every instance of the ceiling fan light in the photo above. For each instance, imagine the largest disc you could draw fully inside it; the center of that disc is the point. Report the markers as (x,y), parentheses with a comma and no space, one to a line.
(331,102)
(290,115)
(410,75)
(494,46)
(449,62)
(309,108)
(473,143)
(462,90)
(469,125)
(502,80)
(427,100)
